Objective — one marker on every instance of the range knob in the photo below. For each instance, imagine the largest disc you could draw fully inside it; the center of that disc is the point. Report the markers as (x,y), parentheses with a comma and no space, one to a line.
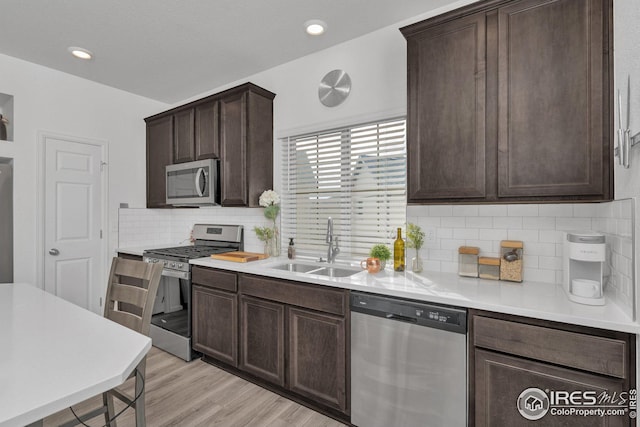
(173,265)
(164,262)
(180,265)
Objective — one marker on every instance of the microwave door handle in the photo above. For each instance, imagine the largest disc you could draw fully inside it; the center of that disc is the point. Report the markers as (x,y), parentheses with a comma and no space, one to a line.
(199,174)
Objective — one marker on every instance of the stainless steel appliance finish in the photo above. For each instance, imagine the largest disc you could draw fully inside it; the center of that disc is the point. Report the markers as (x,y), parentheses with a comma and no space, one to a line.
(6,220)
(171,321)
(408,363)
(193,183)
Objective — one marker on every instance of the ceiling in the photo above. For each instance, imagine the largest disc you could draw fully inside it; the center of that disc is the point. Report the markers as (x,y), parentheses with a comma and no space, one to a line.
(170,50)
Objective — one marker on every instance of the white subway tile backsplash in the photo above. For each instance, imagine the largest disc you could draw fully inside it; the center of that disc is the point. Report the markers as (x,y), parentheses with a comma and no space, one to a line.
(465,210)
(522,210)
(444,233)
(572,224)
(541,227)
(453,222)
(541,249)
(556,210)
(479,222)
(550,236)
(492,210)
(585,210)
(452,244)
(550,262)
(441,210)
(539,223)
(465,233)
(529,236)
(538,275)
(487,247)
(441,255)
(514,222)
(530,261)
(493,234)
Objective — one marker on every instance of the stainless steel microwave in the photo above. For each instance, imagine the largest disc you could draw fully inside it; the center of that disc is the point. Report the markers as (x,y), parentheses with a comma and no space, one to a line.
(193,183)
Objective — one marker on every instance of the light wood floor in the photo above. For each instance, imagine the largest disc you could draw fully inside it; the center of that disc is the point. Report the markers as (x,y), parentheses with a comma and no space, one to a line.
(198,394)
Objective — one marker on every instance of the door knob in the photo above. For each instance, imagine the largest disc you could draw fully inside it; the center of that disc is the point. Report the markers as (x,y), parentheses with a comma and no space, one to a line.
(54,252)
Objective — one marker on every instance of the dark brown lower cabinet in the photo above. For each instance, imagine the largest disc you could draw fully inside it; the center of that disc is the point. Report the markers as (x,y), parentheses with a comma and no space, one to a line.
(510,355)
(287,336)
(262,339)
(317,348)
(500,377)
(215,323)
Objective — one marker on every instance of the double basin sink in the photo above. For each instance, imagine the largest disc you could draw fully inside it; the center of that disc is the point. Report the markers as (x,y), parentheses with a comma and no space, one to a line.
(321,270)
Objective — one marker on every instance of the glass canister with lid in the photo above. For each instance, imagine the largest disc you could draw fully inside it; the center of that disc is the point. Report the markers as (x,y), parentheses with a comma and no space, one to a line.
(468,261)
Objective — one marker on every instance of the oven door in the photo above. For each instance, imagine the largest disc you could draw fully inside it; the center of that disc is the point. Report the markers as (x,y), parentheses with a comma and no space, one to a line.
(171,320)
(193,183)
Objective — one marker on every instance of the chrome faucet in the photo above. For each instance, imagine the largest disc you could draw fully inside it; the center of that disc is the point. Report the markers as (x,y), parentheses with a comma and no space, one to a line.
(331,240)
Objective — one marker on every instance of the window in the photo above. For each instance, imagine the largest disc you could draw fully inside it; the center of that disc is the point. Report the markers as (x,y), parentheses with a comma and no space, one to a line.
(355,175)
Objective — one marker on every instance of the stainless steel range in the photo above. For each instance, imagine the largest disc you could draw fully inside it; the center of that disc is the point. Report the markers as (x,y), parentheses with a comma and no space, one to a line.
(171,321)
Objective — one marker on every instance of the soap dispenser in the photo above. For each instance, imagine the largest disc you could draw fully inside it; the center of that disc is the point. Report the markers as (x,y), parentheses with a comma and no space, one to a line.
(291,253)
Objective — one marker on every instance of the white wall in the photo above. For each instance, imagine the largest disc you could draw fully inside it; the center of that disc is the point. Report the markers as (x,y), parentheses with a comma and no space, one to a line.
(51,101)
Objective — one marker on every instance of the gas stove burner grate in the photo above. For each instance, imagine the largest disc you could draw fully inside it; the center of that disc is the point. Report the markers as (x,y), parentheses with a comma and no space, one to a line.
(190,251)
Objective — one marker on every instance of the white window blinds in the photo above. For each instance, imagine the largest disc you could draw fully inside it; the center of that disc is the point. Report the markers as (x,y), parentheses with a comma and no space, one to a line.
(355,175)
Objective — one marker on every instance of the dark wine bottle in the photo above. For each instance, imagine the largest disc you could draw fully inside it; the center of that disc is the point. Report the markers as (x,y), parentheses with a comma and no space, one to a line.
(398,252)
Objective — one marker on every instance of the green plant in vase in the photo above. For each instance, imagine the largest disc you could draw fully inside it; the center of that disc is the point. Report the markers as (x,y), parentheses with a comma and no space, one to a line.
(415,240)
(265,234)
(270,200)
(382,252)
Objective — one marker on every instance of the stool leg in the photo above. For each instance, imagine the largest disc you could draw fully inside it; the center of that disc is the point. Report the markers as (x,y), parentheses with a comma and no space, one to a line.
(140,404)
(107,401)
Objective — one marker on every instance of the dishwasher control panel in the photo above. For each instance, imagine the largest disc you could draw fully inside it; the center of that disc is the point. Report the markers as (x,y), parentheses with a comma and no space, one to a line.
(452,319)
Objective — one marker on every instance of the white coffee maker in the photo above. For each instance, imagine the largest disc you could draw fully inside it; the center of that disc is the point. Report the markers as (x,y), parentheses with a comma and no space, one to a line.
(584,257)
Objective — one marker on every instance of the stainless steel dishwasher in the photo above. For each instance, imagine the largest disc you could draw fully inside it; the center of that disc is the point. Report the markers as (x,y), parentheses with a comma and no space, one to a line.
(408,363)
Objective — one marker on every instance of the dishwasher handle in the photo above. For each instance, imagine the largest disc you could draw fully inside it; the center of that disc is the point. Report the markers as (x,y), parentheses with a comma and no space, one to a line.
(401,318)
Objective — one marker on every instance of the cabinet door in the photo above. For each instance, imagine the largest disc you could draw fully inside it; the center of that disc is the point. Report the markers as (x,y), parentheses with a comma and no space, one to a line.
(159,155)
(500,379)
(207,131)
(233,150)
(262,339)
(317,357)
(184,134)
(553,114)
(215,324)
(446,111)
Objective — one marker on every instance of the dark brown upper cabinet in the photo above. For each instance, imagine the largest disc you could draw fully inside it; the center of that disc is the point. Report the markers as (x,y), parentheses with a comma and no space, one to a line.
(510,101)
(207,125)
(246,145)
(159,155)
(183,136)
(235,126)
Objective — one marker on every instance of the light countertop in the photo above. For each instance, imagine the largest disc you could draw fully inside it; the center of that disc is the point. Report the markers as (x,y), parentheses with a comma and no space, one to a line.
(56,354)
(537,300)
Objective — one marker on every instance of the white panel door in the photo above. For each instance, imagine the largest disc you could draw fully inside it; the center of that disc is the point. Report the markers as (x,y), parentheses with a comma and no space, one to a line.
(73,221)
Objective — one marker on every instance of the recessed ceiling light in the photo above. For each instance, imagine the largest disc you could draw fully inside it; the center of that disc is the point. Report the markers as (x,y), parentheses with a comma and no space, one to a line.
(315,27)
(81,53)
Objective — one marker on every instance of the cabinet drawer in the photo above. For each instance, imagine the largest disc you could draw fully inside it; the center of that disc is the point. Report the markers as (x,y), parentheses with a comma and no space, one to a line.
(315,297)
(596,354)
(225,280)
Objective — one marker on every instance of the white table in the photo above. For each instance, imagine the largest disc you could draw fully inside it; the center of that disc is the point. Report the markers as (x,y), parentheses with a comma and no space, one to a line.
(54,354)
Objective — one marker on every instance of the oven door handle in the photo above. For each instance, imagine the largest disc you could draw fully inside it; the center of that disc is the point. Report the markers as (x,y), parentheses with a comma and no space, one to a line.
(177,274)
